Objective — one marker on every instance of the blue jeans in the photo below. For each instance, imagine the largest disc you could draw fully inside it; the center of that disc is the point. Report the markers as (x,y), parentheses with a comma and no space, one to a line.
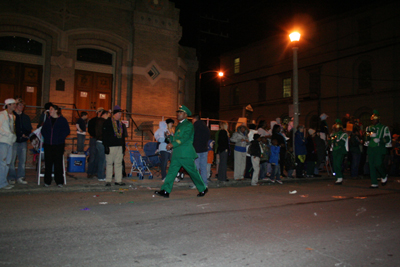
(5,160)
(18,150)
(276,172)
(201,165)
(263,169)
(165,156)
(101,165)
(93,160)
(80,142)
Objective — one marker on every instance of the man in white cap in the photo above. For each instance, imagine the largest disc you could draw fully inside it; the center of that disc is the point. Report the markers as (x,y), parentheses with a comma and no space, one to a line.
(7,139)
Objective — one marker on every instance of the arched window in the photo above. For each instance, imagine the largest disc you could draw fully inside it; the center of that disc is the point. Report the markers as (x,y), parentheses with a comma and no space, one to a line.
(20,45)
(94,56)
(364,75)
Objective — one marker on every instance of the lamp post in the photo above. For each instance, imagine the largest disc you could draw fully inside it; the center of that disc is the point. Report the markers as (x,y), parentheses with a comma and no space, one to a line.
(198,99)
(294,38)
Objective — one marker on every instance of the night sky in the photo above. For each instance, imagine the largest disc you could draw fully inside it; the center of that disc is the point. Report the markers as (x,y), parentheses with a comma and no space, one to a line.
(217,26)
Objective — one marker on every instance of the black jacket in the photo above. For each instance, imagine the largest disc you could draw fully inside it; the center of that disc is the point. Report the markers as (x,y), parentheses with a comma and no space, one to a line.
(109,138)
(223,141)
(92,127)
(201,136)
(254,149)
(23,126)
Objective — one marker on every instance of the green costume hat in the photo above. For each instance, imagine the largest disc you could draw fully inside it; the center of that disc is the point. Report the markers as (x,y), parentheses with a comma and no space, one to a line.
(184,109)
(338,123)
(375,115)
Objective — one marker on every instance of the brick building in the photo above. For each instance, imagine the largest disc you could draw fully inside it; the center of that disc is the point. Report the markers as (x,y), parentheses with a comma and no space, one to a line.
(92,53)
(348,63)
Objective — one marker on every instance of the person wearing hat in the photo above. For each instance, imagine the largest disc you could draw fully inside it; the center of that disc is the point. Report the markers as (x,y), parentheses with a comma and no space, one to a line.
(377,139)
(183,155)
(114,143)
(339,145)
(162,136)
(7,139)
(93,160)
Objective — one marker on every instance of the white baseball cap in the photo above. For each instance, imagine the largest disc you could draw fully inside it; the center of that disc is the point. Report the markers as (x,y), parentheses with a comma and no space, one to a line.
(8,101)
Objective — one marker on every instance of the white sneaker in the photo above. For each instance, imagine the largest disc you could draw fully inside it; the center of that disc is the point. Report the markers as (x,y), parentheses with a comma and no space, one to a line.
(279,181)
(177,180)
(101,180)
(11,182)
(193,187)
(21,181)
(8,187)
(60,185)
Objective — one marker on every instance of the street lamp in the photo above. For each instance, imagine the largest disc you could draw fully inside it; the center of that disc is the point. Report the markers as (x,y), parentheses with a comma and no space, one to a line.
(198,99)
(294,38)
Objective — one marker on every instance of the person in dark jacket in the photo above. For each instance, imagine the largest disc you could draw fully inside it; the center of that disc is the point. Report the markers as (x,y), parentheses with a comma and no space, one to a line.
(300,150)
(311,157)
(99,145)
(23,129)
(200,144)
(113,141)
(93,159)
(276,134)
(255,152)
(223,150)
(55,130)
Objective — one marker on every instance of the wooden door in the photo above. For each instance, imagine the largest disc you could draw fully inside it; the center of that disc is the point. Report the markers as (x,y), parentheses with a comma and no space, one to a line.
(92,90)
(18,80)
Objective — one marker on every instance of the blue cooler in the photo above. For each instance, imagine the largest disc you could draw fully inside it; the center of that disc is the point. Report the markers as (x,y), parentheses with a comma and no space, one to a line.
(76,163)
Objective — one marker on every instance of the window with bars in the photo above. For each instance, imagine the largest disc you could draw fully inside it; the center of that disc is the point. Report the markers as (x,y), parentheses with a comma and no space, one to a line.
(236,65)
(287,87)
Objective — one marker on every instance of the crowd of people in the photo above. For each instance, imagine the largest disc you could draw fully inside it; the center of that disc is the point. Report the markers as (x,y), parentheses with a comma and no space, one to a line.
(270,152)
(267,153)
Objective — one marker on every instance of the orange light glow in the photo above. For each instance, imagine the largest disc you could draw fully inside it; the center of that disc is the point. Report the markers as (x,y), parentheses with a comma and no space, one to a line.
(294,36)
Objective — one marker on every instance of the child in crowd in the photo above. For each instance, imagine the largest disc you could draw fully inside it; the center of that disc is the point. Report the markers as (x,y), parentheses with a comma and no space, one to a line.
(264,160)
(255,152)
(290,164)
(210,158)
(81,131)
(274,160)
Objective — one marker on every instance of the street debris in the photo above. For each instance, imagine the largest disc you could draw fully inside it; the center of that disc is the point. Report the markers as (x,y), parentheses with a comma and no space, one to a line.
(361,210)
(309,248)
(131,202)
(103,203)
(339,197)
(292,192)
(360,197)
(96,195)
(85,209)
(315,214)
(303,195)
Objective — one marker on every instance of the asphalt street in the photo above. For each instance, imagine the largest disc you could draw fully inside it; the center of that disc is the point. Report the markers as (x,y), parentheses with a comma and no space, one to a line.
(319,225)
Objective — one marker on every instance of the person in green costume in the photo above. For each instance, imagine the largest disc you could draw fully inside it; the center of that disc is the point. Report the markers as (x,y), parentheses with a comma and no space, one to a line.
(339,144)
(377,139)
(183,155)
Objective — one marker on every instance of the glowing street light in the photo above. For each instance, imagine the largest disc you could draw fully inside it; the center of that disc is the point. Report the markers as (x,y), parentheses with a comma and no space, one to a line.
(294,38)
(198,94)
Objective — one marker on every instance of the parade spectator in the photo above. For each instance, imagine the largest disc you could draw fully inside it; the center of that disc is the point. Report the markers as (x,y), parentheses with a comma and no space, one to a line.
(210,158)
(300,150)
(395,155)
(339,143)
(264,160)
(23,128)
(7,139)
(113,141)
(290,162)
(321,153)
(200,144)
(378,138)
(255,152)
(277,135)
(183,155)
(44,114)
(162,136)
(100,146)
(93,159)
(323,128)
(223,151)
(81,131)
(241,140)
(248,170)
(311,157)
(55,130)
(355,151)
(274,160)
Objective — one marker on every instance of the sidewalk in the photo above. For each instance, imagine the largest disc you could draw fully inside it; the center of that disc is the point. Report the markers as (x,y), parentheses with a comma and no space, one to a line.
(78,182)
